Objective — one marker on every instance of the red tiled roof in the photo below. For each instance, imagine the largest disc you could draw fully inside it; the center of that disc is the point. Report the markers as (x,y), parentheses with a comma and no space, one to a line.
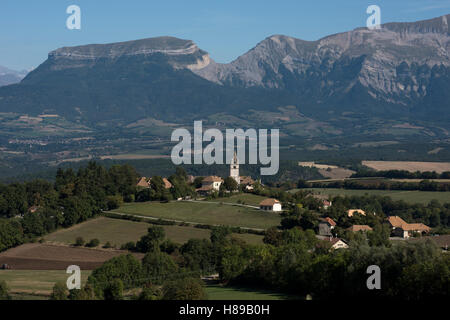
(398,222)
(213,179)
(357,227)
(268,202)
(329,221)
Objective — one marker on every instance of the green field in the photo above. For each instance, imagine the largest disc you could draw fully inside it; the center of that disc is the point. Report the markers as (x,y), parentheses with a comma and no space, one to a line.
(218,292)
(244,198)
(408,196)
(38,285)
(118,232)
(35,283)
(204,213)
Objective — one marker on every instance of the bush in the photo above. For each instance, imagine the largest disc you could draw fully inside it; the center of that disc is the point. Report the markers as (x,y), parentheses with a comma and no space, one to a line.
(130,246)
(114,202)
(59,292)
(79,242)
(93,243)
(184,289)
(4,295)
(107,245)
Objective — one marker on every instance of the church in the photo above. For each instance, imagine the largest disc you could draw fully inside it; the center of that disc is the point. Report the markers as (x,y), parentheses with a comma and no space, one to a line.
(234,169)
(213,183)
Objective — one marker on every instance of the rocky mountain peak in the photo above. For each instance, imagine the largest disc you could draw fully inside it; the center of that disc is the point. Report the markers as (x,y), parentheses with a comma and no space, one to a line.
(181,53)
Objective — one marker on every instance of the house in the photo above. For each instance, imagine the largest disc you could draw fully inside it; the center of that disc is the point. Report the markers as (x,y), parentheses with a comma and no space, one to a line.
(401,228)
(336,243)
(352,212)
(33,209)
(205,190)
(190,179)
(325,226)
(248,182)
(270,205)
(358,227)
(326,204)
(143,183)
(213,181)
(167,184)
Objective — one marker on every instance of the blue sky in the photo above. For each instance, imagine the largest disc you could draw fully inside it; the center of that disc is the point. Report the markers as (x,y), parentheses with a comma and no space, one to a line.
(226,29)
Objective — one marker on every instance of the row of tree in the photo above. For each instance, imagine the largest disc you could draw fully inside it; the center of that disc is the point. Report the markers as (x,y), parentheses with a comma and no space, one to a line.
(292,261)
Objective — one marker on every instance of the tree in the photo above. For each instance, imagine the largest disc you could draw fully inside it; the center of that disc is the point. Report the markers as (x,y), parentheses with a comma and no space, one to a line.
(219,235)
(272,236)
(4,295)
(150,292)
(158,266)
(114,202)
(230,184)
(86,293)
(151,241)
(124,267)
(114,290)
(184,289)
(93,243)
(79,242)
(59,292)
(379,236)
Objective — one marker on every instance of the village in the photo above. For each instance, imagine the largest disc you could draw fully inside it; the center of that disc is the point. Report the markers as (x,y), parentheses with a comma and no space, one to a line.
(212,185)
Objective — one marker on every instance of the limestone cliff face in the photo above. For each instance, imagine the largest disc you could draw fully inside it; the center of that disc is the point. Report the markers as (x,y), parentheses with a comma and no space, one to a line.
(396,60)
(179,53)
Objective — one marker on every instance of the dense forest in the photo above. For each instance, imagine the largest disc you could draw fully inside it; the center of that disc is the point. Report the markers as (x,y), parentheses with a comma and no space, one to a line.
(31,209)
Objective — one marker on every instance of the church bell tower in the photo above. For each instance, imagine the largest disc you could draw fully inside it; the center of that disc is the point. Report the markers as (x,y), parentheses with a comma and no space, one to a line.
(234,169)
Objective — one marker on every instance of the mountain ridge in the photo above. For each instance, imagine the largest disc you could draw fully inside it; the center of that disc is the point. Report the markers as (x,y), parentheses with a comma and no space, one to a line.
(400,71)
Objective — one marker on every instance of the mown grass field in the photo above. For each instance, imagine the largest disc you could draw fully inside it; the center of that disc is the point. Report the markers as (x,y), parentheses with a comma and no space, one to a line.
(30,284)
(204,213)
(217,292)
(118,232)
(243,198)
(408,196)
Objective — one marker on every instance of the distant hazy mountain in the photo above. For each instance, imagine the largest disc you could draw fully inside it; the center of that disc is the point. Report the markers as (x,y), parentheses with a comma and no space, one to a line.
(8,76)
(401,71)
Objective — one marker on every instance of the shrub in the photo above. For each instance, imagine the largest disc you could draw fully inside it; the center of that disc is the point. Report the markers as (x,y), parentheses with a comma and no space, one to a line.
(93,243)
(130,246)
(59,292)
(184,289)
(4,295)
(79,242)
(107,245)
(114,202)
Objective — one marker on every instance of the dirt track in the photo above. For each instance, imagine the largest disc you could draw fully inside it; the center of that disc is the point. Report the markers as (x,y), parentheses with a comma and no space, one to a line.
(34,256)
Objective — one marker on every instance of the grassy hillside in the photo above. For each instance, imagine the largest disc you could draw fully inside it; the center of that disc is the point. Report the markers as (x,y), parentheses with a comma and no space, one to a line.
(118,232)
(204,213)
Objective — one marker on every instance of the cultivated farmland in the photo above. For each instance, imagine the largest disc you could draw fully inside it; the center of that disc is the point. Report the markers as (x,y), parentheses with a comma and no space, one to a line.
(411,166)
(408,196)
(36,256)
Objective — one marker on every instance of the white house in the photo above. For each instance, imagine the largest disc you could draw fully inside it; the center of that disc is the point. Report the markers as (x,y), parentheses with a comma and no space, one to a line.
(213,182)
(336,243)
(270,205)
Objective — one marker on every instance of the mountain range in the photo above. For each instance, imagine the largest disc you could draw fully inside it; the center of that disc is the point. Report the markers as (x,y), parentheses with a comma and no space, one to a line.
(8,76)
(401,72)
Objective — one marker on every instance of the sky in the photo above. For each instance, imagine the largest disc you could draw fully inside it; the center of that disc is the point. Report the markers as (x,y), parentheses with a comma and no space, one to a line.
(29,30)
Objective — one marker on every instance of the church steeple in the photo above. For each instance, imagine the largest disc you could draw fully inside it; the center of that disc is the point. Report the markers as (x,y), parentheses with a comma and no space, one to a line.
(234,169)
